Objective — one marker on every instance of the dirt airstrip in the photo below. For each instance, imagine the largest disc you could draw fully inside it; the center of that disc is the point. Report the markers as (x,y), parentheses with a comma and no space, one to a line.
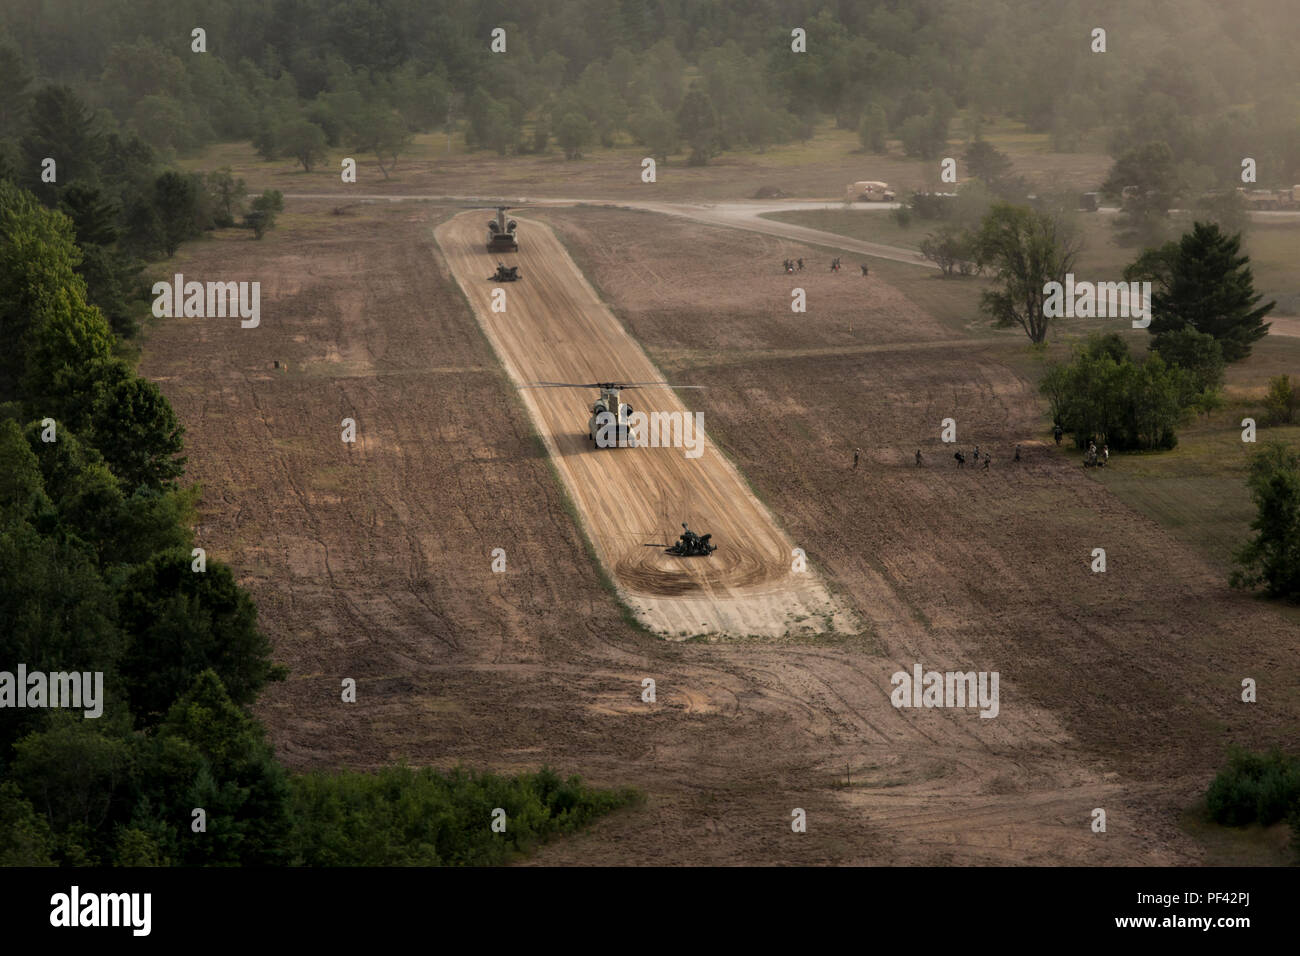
(551,327)
(373,560)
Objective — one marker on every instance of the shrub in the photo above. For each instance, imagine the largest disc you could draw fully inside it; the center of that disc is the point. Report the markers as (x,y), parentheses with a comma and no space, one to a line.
(1255,788)
(1282,401)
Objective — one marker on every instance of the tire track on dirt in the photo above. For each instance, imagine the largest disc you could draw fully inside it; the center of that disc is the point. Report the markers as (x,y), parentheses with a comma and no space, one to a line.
(554,328)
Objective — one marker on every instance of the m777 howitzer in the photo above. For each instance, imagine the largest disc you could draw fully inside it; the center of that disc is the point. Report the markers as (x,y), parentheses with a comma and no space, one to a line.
(692,545)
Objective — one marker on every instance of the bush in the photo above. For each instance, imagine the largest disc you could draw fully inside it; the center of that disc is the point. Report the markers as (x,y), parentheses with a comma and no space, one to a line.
(932,206)
(1282,401)
(1255,788)
(952,249)
(1271,558)
(1197,353)
(872,130)
(1103,394)
(265,208)
(405,817)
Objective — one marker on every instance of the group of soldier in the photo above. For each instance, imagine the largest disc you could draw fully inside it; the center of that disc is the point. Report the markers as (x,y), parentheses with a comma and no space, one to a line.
(796,265)
(959,456)
(1095,459)
(1092,458)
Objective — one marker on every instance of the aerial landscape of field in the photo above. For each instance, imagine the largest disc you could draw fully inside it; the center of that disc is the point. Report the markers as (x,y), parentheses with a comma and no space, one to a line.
(315,347)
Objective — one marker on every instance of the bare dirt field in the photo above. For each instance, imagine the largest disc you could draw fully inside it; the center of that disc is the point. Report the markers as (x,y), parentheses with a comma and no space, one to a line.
(551,327)
(1118,690)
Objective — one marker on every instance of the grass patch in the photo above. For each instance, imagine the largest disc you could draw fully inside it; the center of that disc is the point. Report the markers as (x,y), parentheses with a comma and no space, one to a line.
(1196,491)
(1250,815)
(1252,845)
(405,817)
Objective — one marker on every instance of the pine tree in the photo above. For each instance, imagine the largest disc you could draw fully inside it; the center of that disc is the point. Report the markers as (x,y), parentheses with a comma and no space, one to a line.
(1203,282)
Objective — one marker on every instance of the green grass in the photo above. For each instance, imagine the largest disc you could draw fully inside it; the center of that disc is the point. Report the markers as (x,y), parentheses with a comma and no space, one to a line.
(1197,491)
(1273,245)
(1252,845)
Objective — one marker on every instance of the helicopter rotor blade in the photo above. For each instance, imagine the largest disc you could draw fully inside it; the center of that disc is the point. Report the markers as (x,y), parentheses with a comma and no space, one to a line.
(602,385)
(658,385)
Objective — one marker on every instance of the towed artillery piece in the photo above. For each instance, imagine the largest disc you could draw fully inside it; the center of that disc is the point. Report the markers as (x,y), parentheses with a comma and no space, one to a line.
(692,545)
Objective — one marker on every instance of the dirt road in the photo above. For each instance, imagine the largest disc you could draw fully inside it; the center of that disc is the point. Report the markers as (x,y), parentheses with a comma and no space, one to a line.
(739,215)
(749,216)
(552,327)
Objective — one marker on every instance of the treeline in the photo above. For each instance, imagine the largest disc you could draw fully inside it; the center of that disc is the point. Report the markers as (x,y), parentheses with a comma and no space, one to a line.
(1214,82)
(124,205)
(1204,314)
(99,576)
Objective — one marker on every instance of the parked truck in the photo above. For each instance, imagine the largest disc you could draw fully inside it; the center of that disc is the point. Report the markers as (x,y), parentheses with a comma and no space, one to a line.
(1271,199)
(870,191)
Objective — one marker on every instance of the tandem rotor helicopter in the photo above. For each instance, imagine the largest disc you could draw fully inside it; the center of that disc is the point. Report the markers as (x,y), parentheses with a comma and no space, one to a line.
(501,233)
(608,414)
(610,425)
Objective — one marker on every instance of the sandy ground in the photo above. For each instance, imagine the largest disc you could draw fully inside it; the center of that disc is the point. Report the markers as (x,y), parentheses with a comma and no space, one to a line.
(552,327)
(373,561)
(1281,325)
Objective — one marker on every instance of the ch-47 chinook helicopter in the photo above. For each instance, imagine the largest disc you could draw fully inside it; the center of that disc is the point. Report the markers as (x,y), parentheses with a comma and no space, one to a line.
(501,233)
(610,425)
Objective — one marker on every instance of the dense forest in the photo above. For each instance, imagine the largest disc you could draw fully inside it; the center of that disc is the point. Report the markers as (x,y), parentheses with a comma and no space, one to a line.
(99,575)
(703,75)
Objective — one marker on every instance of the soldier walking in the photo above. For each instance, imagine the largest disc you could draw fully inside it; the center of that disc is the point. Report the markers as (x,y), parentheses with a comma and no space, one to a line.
(856,453)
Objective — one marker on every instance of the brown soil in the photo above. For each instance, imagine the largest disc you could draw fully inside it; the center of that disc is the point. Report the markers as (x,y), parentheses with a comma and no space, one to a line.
(553,328)
(1119,690)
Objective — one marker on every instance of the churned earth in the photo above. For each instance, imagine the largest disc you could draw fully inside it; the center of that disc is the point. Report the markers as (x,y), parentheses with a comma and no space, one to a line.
(373,560)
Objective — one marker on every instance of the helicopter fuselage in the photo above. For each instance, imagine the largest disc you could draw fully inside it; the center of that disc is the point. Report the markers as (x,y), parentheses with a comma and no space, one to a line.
(610,425)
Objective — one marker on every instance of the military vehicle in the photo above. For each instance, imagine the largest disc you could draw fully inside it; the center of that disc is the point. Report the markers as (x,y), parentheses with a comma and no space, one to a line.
(610,423)
(501,233)
(692,545)
(1271,199)
(869,191)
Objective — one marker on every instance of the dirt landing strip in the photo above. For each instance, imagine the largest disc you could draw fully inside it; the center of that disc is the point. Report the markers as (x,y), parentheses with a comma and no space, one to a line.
(555,329)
